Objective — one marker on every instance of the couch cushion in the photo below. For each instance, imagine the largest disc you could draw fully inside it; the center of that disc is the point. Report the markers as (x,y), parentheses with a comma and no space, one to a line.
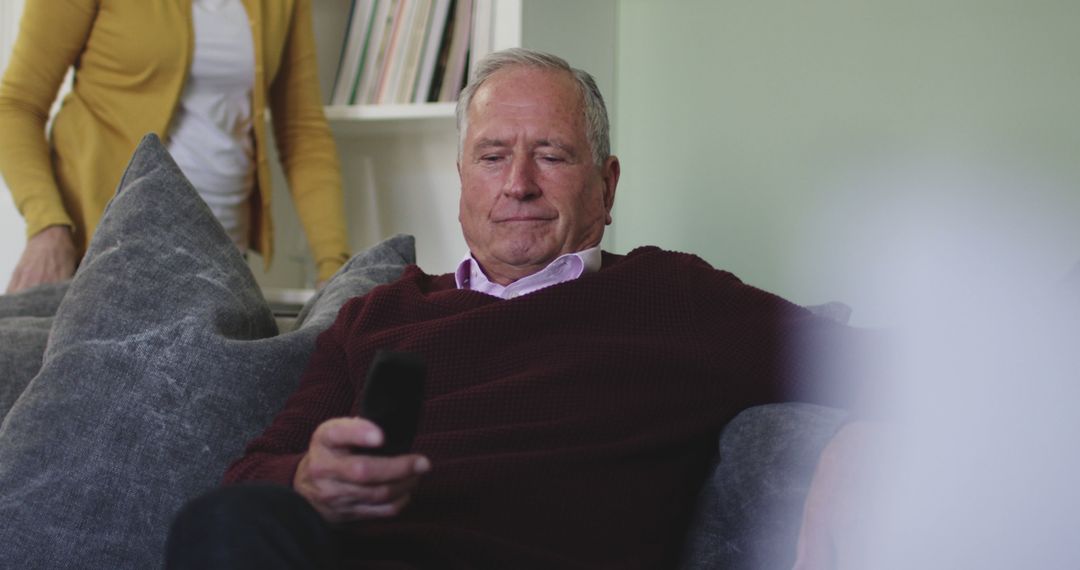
(25,319)
(750,510)
(164,360)
(22,342)
(40,301)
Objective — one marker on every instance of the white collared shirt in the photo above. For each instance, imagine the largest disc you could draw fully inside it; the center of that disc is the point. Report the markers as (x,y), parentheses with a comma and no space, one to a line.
(564,268)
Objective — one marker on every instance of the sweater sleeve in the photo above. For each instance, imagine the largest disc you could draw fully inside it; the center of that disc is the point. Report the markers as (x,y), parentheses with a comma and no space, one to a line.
(326,391)
(782,351)
(52,35)
(306,147)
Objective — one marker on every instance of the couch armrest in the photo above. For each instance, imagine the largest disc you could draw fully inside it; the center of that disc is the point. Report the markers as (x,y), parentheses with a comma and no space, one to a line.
(750,509)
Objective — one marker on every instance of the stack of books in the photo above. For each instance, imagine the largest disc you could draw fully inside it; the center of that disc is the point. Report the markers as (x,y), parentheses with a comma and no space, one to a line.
(404,51)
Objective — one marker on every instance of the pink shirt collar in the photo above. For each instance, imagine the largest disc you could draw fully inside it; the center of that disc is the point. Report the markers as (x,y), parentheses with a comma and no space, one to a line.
(566,267)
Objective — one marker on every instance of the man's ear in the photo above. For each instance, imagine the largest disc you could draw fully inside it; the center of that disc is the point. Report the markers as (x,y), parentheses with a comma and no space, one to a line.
(610,173)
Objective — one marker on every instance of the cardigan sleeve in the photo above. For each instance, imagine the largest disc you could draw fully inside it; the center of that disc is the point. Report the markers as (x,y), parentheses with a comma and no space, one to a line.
(306,147)
(52,35)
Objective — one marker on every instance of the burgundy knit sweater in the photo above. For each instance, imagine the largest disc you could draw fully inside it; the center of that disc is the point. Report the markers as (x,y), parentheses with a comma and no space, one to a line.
(568,428)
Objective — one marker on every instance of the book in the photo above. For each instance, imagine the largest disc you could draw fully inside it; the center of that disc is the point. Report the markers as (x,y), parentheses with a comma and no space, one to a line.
(432,42)
(404,81)
(480,39)
(376,51)
(341,56)
(392,48)
(444,55)
(352,50)
(459,52)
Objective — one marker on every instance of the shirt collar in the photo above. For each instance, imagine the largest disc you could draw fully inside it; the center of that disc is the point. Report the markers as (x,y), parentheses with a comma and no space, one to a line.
(566,267)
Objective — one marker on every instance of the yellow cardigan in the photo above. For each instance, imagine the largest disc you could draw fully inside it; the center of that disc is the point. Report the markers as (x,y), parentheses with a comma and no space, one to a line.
(131,61)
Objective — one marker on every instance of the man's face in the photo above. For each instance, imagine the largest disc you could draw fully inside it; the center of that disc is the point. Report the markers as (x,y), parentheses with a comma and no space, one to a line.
(530,190)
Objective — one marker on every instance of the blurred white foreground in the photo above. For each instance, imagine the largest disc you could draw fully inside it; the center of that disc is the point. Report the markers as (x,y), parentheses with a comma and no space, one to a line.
(981,466)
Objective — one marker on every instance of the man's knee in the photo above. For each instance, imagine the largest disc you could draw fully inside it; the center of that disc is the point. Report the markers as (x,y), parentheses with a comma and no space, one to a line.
(242,523)
(226,506)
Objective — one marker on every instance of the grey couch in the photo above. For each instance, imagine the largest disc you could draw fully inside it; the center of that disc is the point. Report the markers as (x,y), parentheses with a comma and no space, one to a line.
(127,392)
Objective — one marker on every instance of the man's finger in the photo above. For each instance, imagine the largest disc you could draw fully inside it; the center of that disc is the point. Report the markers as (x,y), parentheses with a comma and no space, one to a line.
(376,470)
(343,496)
(364,511)
(341,435)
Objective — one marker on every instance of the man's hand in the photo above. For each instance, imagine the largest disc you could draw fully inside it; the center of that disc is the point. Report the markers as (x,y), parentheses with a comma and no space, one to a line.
(836,532)
(343,485)
(49,257)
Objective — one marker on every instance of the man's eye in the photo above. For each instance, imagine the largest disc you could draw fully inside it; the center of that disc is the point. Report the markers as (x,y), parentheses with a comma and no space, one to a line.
(490,158)
(551,158)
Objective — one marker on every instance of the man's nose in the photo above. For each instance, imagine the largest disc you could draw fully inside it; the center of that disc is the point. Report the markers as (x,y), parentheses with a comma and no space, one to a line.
(521,180)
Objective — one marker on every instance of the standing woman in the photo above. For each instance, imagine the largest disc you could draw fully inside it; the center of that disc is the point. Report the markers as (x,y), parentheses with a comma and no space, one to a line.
(200,73)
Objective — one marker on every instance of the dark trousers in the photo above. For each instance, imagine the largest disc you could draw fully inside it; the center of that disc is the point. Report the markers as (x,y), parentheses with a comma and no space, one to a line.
(251,526)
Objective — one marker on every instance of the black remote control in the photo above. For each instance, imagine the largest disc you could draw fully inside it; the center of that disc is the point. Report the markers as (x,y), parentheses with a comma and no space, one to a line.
(392,398)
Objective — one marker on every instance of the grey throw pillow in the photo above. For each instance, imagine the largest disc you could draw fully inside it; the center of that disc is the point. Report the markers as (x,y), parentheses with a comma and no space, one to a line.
(163,362)
(25,319)
(22,342)
(40,301)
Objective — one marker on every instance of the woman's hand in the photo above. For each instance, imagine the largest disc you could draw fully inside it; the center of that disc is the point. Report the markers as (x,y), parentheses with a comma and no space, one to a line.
(49,257)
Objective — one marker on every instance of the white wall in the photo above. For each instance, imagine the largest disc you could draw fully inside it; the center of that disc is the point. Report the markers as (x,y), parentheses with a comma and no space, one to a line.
(803,145)
(11,224)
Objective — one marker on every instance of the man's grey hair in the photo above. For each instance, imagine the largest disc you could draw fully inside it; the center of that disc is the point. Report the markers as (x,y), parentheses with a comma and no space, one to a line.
(596,117)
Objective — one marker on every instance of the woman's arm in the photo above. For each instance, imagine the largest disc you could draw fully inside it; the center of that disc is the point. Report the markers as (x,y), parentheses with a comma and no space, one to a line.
(306,147)
(52,35)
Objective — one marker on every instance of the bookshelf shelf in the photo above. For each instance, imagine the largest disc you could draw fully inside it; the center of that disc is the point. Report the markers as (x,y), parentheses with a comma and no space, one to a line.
(380,120)
(398,112)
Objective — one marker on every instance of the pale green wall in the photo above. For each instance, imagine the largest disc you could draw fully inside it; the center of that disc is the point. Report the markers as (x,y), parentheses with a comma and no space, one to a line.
(746,128)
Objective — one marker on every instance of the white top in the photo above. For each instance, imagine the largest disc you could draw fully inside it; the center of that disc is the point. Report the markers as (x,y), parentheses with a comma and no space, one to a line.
(211,135)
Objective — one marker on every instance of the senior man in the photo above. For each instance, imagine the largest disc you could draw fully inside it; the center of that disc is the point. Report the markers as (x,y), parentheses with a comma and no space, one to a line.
(574,396)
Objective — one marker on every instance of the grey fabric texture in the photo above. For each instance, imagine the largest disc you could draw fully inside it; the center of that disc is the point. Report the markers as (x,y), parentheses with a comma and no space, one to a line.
(25,319)
(834,310)
(163,361)
(380,264)
(750,511)
(40,301)
(22,342)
